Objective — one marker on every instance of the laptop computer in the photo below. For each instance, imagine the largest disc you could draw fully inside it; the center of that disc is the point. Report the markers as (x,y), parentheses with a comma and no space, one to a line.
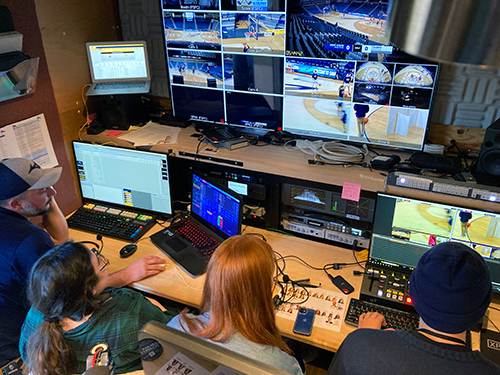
(216,214)
(118,68)
(123,190)
(165,350)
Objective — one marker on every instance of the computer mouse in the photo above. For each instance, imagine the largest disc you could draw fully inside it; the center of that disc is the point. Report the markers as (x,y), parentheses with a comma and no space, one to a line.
(127,250)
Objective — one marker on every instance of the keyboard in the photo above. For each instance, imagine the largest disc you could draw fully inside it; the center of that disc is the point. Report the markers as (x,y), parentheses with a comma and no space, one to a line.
(396,319)
(111,222)
(204,243)
(119,85)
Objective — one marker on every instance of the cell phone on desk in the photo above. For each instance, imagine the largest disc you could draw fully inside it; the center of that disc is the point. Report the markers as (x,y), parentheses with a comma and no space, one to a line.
(304,321)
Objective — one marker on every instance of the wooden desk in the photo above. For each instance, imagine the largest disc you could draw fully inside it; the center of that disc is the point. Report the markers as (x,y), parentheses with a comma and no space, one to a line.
(169,285)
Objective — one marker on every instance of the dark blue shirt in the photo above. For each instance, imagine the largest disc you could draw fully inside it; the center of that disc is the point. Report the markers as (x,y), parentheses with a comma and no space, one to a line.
(22,244)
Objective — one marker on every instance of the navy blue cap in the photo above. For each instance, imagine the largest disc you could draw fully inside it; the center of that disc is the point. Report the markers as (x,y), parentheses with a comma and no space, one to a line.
(451,287)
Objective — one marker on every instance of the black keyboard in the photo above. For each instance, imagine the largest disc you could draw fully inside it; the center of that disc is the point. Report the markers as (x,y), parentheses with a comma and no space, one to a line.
(201,240)
(111,222)
(394,318)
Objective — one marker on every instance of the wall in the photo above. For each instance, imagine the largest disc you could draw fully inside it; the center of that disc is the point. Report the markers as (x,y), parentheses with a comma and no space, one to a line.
(65,27)
(42,100)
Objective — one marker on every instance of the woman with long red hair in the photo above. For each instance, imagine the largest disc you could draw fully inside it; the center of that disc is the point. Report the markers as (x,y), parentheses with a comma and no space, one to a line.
(237,311)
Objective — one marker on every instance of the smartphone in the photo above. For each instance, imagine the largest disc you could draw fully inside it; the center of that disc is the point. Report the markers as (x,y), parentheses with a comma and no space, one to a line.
(304,321)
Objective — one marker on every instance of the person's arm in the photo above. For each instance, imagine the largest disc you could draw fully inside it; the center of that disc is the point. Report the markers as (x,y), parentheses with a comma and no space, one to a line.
(141,268)
(55,224)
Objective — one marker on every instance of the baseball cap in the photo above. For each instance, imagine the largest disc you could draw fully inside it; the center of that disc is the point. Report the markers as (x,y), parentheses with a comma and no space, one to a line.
(19,174)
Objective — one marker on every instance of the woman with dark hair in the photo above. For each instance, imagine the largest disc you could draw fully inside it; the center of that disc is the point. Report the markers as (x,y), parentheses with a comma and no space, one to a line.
(71,312)
(237,311)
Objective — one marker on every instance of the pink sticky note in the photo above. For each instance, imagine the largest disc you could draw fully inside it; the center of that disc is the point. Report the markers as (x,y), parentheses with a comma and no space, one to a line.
(114,133)
(351,191)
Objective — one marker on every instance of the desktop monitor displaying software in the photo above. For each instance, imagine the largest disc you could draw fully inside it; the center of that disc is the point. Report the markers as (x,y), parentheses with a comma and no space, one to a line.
(124,177)
(313,68)
(405,228)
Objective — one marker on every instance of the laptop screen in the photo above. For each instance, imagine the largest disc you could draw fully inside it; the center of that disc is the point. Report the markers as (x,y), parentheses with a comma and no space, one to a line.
(405,228)
(218,206)
(124,177)
(118,61)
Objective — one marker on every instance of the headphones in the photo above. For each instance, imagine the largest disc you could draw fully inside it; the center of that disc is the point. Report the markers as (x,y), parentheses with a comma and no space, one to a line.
(95,245)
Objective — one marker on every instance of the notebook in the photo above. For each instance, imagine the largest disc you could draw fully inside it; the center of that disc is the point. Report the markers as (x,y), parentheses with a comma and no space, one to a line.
(118,68)
(216,214)
(123,190)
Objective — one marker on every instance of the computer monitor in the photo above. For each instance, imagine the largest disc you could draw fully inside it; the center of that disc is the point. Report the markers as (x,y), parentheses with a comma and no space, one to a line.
(405,228)
(127,178)
(312,68)
(165,350)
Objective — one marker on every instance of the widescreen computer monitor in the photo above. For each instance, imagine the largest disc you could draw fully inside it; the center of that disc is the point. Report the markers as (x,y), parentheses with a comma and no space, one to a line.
(313,68)
(165,350)
(127,178)
(405,228)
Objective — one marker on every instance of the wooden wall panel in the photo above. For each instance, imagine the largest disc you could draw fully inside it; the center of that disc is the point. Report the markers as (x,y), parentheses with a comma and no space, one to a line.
(42,100)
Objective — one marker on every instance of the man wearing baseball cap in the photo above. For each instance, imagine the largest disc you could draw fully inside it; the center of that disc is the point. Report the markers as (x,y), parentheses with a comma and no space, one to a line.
(27,191)
(451,290)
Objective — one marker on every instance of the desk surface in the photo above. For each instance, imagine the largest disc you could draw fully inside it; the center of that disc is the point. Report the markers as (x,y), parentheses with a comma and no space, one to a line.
(169,285)
(294,163)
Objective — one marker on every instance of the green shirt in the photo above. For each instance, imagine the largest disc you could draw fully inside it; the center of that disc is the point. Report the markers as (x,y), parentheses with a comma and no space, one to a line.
(117,323)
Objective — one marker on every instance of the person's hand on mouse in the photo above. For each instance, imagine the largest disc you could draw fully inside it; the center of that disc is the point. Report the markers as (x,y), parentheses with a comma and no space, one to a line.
(146,266)
(372,320)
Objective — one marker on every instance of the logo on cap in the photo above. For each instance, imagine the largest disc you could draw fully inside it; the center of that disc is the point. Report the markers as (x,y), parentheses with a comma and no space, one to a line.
(34,166)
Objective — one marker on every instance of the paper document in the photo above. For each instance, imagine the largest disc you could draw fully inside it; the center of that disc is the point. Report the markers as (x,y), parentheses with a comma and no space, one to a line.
(329,306)
(29,139)
(153,134)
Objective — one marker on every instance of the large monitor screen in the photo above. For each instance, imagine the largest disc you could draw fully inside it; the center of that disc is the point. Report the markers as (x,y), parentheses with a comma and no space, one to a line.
(124,177)
(317,68)
(405,228)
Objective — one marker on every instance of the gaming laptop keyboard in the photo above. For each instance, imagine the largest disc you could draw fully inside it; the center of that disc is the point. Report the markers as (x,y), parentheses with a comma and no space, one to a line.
(112,222)
(202,241)
(396,319)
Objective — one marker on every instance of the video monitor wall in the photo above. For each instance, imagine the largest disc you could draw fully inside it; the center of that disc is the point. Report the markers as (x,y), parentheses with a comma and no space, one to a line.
(319,68)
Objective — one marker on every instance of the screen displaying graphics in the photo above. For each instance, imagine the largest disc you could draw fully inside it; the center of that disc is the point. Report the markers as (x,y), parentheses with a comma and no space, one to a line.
(405,228)
(219,208)
(316,68)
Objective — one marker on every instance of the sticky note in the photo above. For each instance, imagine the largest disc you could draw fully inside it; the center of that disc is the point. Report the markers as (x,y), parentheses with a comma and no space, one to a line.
(114,133)
(351,191)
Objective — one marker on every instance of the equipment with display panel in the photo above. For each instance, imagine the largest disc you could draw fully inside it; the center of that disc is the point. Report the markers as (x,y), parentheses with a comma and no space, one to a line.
(318,211)
(405,228)
(317,69)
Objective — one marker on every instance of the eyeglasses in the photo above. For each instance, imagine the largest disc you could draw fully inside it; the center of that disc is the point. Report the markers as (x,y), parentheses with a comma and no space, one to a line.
(101,259)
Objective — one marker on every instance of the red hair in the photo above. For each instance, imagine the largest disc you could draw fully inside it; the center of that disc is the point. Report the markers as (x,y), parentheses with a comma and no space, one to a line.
(238,294)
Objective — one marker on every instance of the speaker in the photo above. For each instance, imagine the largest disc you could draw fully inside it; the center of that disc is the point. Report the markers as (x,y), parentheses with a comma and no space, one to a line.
(487,169)
(119,111)
(211,82)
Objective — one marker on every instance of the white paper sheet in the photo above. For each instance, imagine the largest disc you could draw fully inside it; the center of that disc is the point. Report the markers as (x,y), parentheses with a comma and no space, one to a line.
(153,134)
(29,139)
